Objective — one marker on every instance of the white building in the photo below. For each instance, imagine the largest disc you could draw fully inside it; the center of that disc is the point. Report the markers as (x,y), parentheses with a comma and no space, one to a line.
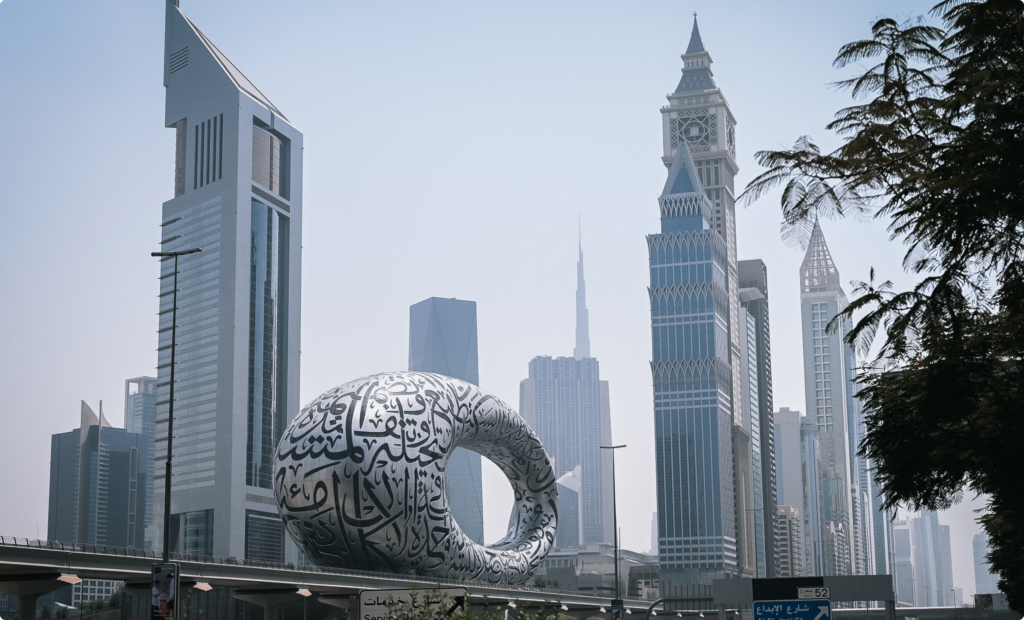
(847,528)
(237,194)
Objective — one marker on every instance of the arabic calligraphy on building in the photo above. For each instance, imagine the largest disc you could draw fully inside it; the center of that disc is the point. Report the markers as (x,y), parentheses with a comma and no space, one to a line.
(359,479)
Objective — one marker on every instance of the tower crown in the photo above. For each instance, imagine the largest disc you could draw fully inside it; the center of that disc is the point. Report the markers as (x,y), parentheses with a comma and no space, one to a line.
(818,274)
(683,203)
(697,74)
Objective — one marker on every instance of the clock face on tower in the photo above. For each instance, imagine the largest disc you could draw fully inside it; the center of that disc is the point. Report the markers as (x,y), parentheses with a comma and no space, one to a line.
(697,127)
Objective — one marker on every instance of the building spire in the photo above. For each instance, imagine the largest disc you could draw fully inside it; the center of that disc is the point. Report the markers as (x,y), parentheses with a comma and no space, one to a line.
(696,46)
(582,349)
(818,274)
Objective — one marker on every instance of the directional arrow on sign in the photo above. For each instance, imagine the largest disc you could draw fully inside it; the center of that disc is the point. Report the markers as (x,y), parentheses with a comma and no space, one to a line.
(823,612)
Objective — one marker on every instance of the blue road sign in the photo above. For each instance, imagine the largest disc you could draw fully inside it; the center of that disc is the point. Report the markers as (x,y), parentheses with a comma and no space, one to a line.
(805,609)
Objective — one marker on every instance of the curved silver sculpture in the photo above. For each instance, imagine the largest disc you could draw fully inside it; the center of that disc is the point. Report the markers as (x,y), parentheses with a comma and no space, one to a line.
(360,479)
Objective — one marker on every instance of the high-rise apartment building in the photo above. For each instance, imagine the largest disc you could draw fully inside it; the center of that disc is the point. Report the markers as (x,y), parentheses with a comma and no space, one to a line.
(442,339)
(238,196)
(97,484)
(565,401)
(797,460)
(847,532)
(985,582)
(140,417)
(791,561)
(753,276)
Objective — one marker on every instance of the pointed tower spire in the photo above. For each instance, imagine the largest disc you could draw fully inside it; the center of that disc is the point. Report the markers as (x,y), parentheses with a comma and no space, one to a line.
(818,274)
(582,348)
(697,76)
(696,45)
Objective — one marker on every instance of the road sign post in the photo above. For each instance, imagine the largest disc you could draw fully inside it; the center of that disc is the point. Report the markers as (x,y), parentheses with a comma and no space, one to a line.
(800,609)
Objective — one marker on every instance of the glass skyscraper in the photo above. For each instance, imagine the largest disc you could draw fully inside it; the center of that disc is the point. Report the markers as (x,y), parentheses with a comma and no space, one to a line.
(442,339)
(565,401)
(706,358)
(140,417)
(238,195)
(98,485)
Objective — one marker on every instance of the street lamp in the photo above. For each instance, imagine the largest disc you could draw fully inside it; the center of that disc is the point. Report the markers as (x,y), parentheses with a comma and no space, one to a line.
(615,522)
(170,400)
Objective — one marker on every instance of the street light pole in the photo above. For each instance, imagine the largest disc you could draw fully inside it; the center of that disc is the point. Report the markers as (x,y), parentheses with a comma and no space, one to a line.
(170,399)
(615,521)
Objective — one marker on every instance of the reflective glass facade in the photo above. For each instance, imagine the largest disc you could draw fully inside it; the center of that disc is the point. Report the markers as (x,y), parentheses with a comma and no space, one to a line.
(264,536)
(268,341)
(140,417)
(98,487)
(565,410)
(442,339)
(692,383)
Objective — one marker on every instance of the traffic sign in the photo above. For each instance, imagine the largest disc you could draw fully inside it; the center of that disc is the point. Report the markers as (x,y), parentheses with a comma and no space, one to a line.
(803,609)
(377,604)
(821,592)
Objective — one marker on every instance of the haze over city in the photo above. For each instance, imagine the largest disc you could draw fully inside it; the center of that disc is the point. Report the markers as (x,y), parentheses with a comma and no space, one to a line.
(457,150)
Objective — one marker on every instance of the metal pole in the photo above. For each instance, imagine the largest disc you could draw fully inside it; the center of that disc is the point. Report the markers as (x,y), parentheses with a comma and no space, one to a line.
(170,401)
(170,421)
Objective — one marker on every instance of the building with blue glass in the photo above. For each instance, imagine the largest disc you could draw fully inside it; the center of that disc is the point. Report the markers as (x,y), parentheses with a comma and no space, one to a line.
(692,382)
(565,401)
(140,417)
(238,195)
(98,485)
(442,339)
(709,356)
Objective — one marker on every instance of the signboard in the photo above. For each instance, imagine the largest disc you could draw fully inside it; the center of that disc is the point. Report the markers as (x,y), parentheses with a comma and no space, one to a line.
(376,604)
(165,592)
(802,609)
(822,592)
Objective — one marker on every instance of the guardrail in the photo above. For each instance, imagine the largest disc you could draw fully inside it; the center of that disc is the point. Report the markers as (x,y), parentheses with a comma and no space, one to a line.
(130,552)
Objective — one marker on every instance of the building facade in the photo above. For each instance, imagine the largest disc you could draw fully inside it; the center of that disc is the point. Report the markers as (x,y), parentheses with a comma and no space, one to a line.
(97,484)
(985,582)
(791,560)
(442,339)
(753,283)
(701,410)
(797,462)
(238,196)
(565,401)
(848,498)
(903,576)
(140,417)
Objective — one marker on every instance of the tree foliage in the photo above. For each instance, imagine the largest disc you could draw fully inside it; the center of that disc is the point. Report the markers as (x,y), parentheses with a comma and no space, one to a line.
(935,146)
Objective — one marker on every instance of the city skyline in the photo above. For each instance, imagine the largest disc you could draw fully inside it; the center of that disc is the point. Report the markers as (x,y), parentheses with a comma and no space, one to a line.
(330,372)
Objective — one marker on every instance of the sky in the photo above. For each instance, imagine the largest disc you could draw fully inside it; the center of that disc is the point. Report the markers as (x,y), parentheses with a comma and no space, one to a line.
(451,149)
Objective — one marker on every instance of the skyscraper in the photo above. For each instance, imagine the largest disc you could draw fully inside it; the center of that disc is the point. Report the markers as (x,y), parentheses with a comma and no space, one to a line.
(829,370)
(442,339)
(791,562)
(932,560)
(985,582)
(140,417)
(238,195)
(753,275)
(797,458)
(696,333)
(903,577)
(565,401)
(97,484)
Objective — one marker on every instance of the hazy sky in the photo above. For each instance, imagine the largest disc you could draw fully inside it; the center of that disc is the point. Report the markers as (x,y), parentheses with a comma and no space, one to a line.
(449,150)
